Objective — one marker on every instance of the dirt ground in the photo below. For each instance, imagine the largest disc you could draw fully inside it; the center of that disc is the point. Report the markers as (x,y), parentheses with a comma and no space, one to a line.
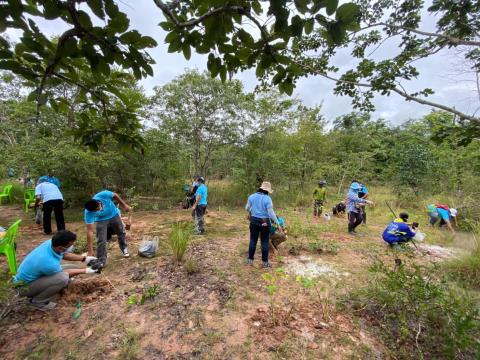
(211,306)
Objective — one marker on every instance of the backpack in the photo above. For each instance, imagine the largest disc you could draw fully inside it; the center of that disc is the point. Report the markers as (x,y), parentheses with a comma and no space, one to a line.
(441,206)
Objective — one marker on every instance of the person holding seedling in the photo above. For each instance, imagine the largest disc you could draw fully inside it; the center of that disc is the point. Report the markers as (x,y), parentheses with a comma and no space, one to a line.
(319,196)
(41,274)
(102,212)
(261,216)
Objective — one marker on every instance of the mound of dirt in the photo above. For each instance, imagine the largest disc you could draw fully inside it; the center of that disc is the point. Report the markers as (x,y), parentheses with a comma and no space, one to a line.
(87,290)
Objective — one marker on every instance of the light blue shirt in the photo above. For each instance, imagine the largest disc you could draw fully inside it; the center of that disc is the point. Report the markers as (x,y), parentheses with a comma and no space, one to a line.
(41,261)
(50,179)
(353,200)
(48,191)
(108,211)
(202,191)
(260,206)
(444,214)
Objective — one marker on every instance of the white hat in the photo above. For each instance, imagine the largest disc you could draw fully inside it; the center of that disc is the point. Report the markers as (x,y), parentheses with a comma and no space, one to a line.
(267,187)
(453,212)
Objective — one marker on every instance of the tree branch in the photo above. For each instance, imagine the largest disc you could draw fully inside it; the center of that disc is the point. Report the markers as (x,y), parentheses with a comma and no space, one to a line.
(399,91)
(450,39)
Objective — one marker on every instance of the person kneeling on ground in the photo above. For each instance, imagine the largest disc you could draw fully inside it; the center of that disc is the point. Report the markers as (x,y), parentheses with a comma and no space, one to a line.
(41,275)
(101,210)
(339,208)
(200,206)
(277,237)
(261,214)
(398,230)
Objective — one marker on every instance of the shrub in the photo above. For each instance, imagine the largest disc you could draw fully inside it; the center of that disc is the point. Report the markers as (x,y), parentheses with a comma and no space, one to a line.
(466,269)
(418,316)
(191,266)
(179,237)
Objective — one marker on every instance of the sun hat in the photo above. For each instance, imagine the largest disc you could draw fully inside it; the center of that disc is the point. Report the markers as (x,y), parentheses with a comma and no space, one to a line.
(355,186)
(453,212)
(267,187)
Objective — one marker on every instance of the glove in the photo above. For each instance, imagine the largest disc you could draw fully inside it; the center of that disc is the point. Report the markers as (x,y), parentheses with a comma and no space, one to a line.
(89,270)
(415,225)
(88,259)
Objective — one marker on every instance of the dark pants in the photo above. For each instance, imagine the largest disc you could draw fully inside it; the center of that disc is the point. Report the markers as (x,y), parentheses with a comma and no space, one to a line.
(57,207)
(198,218)
(354,219)
(259,227)
(317,207)
(118,229)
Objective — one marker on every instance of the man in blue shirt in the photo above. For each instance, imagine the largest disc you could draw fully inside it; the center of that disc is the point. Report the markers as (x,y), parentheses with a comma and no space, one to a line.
(398,230)
(261,215)
(444,213)
(363,194)
(354,207)
(52,199)
(102,211)
(41,274)
(200,206)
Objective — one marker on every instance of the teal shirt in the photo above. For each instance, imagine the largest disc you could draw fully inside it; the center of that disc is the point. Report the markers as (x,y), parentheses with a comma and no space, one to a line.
(109,210)
(203,192)
(41,261)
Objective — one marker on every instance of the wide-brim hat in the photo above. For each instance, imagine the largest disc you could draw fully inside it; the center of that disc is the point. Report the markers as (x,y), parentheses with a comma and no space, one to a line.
(453,212)
(267,187)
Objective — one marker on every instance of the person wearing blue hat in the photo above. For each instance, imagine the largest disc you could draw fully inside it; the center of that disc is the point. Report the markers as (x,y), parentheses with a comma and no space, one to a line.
(354,207)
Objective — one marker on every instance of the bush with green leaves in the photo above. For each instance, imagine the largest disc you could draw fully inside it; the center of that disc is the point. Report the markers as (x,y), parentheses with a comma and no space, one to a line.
(417,315)
(179,238)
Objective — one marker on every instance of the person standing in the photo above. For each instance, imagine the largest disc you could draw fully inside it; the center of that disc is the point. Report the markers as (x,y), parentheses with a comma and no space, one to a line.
(354,205)
(52,199)
(101,210)
(41,274)
(261,215)
(200,206)
(319,196)
(363,194)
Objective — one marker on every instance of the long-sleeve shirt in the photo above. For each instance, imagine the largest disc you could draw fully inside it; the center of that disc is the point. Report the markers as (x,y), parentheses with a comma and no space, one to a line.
(353,200)
(397,230)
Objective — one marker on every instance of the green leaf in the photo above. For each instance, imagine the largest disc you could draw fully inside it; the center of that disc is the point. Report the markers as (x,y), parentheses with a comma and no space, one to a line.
(186,50)
(286,87)
(84,19)
(223,73)
(347,13)
(111,8)
(331,6)
(246,38)
(119,23)
(97,8)
(167,26)
(260,71)
(69,47)
(146,42)
(257,7)
(51,9)
(175,45)
(296,28)
(130,37)
(309,26)
(16,7)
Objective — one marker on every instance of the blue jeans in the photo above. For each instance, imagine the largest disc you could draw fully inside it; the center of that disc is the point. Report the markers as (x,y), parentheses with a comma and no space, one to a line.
(259,227)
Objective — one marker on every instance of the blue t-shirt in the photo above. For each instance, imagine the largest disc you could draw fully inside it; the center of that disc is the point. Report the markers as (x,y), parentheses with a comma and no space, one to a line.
(444,214)
(51,179)
(41,261)
(397,230)
(202,190)
(48,191)
(258,205)
(108,211)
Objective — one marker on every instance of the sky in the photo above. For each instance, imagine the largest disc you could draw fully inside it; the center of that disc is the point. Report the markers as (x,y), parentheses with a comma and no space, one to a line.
(438,73)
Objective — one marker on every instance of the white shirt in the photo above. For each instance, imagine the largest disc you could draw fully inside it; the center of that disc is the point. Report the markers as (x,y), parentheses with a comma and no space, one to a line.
(48,191)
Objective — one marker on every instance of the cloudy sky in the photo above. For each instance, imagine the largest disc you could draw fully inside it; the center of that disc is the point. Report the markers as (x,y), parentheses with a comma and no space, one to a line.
(438,73)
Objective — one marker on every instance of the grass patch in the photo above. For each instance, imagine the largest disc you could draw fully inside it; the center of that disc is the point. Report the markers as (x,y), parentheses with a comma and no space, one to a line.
(417,316)
(191,266)
(129,347)
(465,270)
(179,238)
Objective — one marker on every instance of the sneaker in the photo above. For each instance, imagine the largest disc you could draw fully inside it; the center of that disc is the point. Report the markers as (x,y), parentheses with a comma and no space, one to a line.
(42,305)
(250,262)
(125,253)
(267,265)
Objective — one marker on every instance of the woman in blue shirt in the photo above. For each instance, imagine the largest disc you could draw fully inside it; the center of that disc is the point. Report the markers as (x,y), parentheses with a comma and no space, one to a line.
(261,214)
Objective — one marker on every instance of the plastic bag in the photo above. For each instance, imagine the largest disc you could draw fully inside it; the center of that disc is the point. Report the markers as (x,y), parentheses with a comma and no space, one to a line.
(419,236)
(148,247)
(327,216)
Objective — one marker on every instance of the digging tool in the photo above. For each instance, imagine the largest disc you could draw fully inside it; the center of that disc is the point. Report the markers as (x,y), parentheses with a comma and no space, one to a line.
(395,215)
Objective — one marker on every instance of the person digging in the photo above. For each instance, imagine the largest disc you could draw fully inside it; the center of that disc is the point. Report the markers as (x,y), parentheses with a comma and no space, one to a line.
(200,206)
(102,212)
(398,231)
(277,236)
(41,274)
